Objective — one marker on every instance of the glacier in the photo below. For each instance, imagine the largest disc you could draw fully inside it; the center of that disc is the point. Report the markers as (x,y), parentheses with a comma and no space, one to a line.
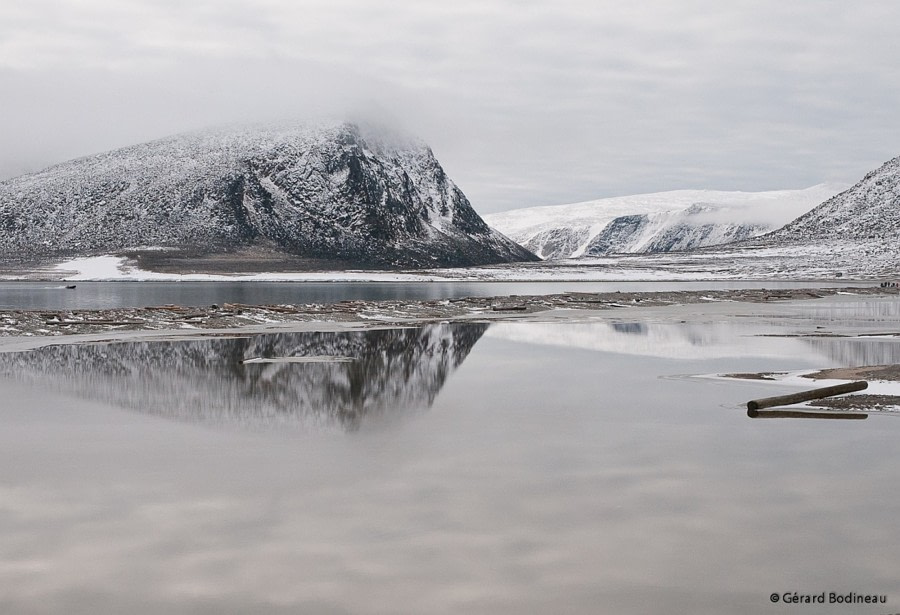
(672,221)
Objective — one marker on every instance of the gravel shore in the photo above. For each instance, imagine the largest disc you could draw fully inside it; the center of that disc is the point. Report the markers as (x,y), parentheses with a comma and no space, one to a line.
(29,323)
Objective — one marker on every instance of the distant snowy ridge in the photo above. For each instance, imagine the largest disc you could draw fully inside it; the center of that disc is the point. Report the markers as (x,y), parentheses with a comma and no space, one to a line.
(333,191)
(678,220)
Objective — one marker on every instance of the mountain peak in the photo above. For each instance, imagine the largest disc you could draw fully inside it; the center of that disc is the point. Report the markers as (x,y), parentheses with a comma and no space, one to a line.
(361,195)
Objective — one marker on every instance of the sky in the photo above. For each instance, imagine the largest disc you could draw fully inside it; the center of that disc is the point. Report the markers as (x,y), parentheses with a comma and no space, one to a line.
(524,102)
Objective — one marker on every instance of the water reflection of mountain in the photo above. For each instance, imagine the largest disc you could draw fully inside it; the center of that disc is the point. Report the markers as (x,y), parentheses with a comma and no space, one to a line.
(850,311)
(636,328)
(700,341)
(849,352)
(667,340)
(204,381)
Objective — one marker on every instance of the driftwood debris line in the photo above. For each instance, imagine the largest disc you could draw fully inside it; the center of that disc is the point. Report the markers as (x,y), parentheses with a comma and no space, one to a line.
(109,322)
(794,398)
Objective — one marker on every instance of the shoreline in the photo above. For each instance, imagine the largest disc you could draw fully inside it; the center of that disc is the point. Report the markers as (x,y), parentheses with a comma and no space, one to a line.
(22,329)
(775,264)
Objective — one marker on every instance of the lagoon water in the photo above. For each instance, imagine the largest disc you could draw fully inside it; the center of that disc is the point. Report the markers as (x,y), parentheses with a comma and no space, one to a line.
(462,468)
(102,295)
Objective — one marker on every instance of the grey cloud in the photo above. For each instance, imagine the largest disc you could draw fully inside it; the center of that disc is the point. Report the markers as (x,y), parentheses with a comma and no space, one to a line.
(525,103)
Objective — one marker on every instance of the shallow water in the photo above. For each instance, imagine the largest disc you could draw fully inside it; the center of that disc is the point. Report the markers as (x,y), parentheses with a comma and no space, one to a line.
(516,468)
(848,310)
(103,295)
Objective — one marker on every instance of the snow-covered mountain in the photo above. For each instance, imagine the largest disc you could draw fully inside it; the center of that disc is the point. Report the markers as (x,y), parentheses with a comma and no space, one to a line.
(854,233)
(659,222)
(334,191)
(868,211)
(382,372)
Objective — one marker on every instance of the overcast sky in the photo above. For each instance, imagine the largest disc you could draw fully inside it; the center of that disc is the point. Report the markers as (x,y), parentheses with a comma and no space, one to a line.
(525,103)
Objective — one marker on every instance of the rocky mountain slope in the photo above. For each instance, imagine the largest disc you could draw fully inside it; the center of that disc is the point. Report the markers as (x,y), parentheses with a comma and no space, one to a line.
(679,220)
(854,233)
(333,192)
(868,211)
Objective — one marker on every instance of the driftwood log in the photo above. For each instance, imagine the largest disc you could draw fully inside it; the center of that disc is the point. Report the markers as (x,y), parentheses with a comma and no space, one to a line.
(791,414)
(795,398)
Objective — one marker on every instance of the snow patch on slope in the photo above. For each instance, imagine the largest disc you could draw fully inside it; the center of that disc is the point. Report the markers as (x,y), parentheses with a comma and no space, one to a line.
(117,268)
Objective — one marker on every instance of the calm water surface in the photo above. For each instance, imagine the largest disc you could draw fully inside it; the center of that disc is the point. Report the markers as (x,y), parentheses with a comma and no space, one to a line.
(100,295)
(512,468)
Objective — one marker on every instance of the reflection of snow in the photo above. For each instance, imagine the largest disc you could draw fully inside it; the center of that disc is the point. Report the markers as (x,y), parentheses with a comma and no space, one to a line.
(669,340)
(857,351)
(695,341)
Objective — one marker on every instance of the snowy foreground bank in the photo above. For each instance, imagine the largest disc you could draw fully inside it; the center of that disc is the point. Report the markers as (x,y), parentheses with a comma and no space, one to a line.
(828,261)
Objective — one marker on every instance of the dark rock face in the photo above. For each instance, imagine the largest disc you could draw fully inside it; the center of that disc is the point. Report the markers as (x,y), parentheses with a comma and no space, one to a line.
(618,235)
(557,242)
(329,192)
(624,234)
(683,237)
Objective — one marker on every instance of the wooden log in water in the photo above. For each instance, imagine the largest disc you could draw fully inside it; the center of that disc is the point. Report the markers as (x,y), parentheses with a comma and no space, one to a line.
(795,398)
(791,414)
(509,308)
